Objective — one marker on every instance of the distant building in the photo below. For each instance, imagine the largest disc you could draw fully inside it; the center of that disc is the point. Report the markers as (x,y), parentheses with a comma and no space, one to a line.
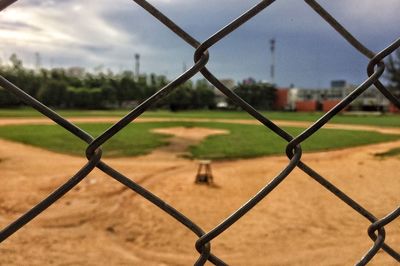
(307,106)
(220,98)
(285,99)
(373,100)
(292,98)
(229,83)
(338,83)
(77,72)
(313,100)
(324,99)
(249,81)
(281,99)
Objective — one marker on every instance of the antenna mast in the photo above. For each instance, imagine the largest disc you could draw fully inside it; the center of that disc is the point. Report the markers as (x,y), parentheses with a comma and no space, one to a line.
(272,43)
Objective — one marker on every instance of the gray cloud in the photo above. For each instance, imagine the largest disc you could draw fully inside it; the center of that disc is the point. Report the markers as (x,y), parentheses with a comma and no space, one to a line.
(19,26)
(309,52)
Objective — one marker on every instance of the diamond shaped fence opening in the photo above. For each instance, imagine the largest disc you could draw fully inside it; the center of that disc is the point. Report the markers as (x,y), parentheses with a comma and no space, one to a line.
(203,245)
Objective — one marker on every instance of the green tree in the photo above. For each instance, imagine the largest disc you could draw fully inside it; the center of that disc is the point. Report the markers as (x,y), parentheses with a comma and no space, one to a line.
(180,98)
(108,96)
(16,62)
(393,69)
(53,93)
(203,95)
(259,95)
(75,88)
(25,79)
(127,90)
(87,98)
(7,99)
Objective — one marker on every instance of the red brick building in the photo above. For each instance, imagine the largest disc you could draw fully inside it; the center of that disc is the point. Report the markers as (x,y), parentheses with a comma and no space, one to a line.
(281,99)
(393,109)
(307,106)
(329,104)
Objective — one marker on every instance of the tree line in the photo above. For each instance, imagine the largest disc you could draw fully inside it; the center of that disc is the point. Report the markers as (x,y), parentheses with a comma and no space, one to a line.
(74,88)
(393,70)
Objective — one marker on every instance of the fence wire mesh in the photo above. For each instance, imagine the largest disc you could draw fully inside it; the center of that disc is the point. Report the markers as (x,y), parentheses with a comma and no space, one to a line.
(375,69)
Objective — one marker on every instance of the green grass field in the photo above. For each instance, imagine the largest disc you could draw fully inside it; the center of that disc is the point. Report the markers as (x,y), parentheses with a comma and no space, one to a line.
(387,120)
(243,141)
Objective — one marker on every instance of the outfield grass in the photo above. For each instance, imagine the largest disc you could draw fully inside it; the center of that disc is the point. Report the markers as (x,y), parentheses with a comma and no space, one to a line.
(135,140)
(253,141)
(30,112)
(243,141)
(387,120)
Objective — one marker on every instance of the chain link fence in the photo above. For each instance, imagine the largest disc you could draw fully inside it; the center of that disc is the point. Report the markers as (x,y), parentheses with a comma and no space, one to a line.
(375,69)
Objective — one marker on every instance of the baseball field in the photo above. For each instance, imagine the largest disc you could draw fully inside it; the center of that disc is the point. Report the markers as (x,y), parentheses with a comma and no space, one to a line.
(101,222)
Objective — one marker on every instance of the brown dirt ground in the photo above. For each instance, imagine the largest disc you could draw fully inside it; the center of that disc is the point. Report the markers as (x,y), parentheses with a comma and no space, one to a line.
(100,222)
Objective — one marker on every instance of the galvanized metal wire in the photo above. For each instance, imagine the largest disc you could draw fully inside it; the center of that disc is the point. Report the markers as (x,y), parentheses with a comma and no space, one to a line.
(375,69)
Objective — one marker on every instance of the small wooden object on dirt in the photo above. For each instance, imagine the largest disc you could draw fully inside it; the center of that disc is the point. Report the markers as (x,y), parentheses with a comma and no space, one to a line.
(204,176)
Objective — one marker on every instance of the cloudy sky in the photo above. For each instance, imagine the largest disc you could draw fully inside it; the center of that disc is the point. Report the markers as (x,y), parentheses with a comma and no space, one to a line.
(309,53)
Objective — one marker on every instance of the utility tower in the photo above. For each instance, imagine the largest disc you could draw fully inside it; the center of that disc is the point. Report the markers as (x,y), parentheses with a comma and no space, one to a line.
(272,46)
(137,66)
(38,61)
(184,67)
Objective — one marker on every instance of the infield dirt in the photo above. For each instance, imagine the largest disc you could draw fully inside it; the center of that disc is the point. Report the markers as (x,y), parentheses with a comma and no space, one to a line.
(101,222)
